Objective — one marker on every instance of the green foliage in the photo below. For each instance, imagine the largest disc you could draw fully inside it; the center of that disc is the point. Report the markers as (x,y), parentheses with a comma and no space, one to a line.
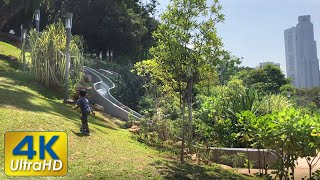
(48,60)
(273,103)
(223,133)
(124,26)
(146,105)
(234,158)
(159,133)
(288,90)
(305,96)
(316,174)
(268,79)
(273,125)
(219,111)
(241,102)
(176,33)
(287,132)
(159,89)
(248,164)
(309,140)
(128,88)
(245,134)
(176,66)
(10,9)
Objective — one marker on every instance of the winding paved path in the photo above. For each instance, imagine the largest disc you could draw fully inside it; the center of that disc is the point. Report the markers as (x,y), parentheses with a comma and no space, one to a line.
(101,93)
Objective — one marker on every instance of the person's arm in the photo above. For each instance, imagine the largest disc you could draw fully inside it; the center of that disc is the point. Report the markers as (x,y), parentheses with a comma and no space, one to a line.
(91,110)
(77,105)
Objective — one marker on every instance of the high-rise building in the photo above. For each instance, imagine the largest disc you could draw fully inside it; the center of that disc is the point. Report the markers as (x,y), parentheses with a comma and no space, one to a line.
(301,54)
(291,53)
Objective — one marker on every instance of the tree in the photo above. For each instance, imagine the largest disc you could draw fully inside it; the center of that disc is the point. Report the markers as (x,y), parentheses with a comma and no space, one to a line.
(10,8)
(309,146)
(124,26)
(268,79)
(188,46)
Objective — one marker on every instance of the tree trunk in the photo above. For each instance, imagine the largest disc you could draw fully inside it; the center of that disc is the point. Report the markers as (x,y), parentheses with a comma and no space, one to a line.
(259,162)
(183,131)
(265,165)
(190,113)
(248,161)
(310,170)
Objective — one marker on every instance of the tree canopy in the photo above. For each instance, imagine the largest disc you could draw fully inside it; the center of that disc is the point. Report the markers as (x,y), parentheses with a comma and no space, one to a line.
(123,26)
(267,79)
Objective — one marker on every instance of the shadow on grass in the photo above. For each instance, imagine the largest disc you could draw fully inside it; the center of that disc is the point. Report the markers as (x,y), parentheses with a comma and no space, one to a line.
(80,134)
(177,170)
(28,79)
(13,63)
(11,95)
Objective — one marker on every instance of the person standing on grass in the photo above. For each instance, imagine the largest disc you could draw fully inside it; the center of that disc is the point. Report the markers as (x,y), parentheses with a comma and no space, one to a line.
(85,108)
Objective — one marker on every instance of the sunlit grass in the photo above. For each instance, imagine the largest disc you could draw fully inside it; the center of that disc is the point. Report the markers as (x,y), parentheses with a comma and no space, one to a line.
(9,50)
(8,56)
(108,152)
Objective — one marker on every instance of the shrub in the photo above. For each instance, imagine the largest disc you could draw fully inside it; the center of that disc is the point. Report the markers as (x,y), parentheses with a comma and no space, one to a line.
(48,61)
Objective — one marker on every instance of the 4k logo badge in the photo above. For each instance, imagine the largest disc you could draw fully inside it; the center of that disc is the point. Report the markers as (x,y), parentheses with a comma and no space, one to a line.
(36,153)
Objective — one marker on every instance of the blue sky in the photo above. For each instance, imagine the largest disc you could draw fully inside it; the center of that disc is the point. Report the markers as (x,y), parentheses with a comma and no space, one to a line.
(253,29)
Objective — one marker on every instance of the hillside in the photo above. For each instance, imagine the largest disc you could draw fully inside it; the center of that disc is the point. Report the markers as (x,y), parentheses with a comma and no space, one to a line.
(110,152)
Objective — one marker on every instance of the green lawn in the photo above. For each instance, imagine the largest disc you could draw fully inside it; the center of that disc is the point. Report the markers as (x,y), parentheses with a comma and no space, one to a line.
(10,57)
(9,50)
(109,153)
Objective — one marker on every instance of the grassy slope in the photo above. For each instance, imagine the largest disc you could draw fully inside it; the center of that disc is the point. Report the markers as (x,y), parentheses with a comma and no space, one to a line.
(9,50)
(110,152)
(9,57)
(107,152)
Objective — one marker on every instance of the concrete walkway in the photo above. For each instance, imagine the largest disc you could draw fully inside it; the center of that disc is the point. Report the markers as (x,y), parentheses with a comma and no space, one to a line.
(301,171)
(101,94)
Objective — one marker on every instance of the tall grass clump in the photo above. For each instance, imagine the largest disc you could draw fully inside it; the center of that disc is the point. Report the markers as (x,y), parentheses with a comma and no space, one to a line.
(48,61)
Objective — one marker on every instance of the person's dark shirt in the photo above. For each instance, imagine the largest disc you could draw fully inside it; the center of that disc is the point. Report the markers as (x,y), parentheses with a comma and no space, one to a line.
(84,105)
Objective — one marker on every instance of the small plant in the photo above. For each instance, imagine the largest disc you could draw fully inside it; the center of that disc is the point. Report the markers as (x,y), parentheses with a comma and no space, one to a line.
(316,174)
(248,164)
(131,119)
(235,159)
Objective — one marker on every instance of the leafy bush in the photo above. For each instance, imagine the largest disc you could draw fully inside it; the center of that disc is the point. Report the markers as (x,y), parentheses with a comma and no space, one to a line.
(234,158)
(48,61)
(273,103)
(288,132)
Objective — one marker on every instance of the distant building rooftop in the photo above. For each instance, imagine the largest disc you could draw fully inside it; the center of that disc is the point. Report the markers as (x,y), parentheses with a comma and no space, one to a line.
(304,18)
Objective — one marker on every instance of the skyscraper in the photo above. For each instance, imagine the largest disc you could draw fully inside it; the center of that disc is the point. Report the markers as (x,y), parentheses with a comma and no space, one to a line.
(291,53)
(301,54)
